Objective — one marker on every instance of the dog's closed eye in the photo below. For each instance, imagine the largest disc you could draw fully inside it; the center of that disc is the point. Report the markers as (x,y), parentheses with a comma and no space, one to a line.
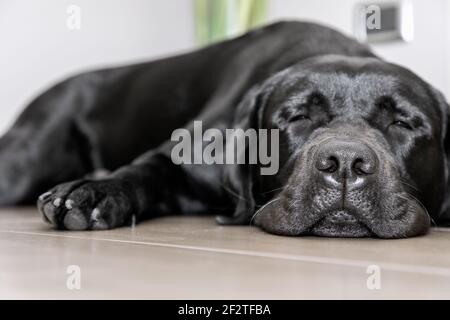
(402,124)
(299,117)
(315,99)
(387,103)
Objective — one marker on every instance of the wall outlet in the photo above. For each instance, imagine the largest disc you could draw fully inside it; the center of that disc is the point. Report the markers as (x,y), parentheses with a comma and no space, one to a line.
(384,22)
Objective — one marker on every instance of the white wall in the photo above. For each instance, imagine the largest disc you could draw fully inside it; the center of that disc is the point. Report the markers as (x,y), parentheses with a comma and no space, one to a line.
(37,48)
(428,55)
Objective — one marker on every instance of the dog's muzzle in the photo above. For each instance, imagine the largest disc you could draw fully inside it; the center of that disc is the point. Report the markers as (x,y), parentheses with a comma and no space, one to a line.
(344,166)
(344,186)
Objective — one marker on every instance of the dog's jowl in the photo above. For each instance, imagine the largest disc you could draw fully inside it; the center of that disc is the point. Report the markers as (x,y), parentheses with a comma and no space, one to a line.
(361,146)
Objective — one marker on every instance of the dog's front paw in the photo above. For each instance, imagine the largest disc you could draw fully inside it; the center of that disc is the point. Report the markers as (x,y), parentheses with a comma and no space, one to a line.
(87,205)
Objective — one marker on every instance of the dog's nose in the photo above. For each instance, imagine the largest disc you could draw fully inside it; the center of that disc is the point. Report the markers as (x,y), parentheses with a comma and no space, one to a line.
(346,162)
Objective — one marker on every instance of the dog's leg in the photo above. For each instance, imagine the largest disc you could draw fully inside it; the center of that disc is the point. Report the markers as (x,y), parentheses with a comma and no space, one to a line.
(151,187)
(44,147)
(31,164)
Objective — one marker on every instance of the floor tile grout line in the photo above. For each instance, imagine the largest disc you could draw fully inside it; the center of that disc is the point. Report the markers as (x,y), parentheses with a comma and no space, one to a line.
(399,267)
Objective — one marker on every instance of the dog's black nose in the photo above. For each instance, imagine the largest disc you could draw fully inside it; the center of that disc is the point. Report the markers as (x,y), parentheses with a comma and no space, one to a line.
(346,162)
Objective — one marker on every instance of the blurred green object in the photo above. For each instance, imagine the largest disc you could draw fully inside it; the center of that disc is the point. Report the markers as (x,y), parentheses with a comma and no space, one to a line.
(220,19)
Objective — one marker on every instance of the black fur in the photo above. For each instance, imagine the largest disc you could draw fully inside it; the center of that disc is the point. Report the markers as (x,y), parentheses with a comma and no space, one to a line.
(105,119)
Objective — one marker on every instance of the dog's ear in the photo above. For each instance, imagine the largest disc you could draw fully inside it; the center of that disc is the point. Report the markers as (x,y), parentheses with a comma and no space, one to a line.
(445,108)
(240,179)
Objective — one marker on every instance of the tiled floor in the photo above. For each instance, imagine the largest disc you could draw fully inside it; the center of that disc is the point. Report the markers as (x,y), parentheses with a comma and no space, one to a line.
(192,257)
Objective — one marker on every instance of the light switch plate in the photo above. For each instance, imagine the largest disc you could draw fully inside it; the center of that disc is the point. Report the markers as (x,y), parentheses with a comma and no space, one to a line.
(384,22)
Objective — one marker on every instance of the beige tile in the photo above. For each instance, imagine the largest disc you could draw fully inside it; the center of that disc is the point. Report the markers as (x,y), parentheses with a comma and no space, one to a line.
(192,257)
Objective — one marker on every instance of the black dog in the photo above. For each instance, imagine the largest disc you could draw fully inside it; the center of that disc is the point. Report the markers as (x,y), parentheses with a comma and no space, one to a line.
(363,143)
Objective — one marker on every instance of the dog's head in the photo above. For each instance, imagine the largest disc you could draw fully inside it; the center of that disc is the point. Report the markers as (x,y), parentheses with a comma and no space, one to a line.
(362,151)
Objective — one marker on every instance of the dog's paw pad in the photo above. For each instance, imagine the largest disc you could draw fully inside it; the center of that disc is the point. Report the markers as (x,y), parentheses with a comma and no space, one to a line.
(75,220)
(100,225)
(49,213)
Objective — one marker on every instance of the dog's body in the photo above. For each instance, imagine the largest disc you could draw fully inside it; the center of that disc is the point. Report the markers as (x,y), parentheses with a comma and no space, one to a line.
(105,119)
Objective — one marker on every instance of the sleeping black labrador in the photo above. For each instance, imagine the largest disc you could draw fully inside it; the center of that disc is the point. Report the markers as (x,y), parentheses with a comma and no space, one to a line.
(363,143)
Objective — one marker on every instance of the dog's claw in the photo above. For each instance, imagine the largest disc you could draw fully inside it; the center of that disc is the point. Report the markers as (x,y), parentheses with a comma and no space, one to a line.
(95,215)
(57,202)
(69,204)
(45,196)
